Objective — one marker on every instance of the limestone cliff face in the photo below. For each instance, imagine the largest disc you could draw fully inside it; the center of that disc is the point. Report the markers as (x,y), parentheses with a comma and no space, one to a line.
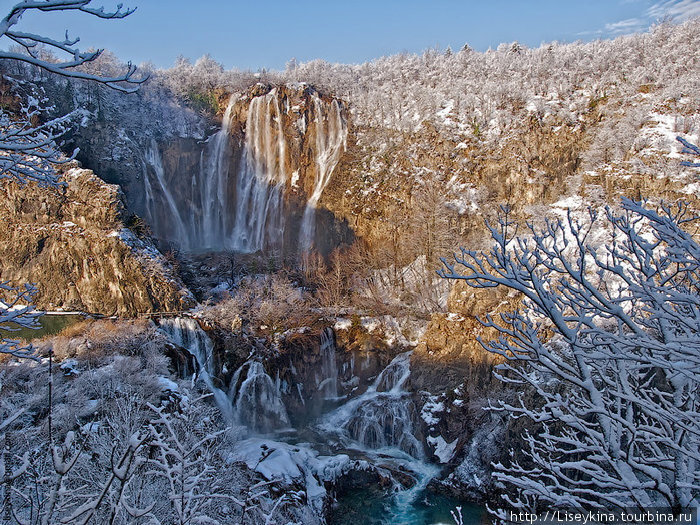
(72,242)
(449,353)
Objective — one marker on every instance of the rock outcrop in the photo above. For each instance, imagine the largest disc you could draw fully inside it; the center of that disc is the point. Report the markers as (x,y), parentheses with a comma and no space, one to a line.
(73,243)
(449,353)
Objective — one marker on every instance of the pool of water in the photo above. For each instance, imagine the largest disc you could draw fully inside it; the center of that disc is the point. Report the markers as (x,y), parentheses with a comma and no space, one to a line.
(376,506)
(49,324)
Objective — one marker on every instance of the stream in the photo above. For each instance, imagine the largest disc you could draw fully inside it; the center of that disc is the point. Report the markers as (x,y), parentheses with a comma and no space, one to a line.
(50,323)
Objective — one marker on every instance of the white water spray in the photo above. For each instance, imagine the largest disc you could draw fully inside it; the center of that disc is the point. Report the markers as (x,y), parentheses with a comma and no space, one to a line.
(257,403)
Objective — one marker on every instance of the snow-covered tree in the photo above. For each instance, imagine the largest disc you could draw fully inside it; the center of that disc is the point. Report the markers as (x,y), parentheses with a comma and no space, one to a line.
(185,459)
(607,338)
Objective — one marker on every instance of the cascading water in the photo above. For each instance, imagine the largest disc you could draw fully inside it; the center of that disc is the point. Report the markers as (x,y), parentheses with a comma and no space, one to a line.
(260,187)
(394,376)
(257,403)
(214,229)
(187,333)
(331,137)
(380,418)
(153,158)
(329,369)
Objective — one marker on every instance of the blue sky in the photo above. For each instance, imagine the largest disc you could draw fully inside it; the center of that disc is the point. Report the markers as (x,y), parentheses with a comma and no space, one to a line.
(252,35)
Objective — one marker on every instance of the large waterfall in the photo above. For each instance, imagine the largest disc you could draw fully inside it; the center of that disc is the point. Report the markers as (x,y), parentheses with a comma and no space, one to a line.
(217,205)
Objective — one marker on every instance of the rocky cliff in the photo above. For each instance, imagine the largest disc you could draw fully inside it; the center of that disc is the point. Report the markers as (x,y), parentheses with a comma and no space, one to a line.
(73,242)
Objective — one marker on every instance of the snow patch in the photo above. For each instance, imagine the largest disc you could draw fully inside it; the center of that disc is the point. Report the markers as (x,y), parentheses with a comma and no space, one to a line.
(342,324)
(282,462)
(432,406)
(167,384)
(443,450)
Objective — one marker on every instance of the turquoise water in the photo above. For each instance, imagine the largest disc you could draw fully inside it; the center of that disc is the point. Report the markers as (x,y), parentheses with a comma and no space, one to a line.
(376,506)
(49,324)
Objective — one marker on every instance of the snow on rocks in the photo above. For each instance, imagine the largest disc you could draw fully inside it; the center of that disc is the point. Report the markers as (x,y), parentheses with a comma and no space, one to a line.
(293,464)
(443,450)
(432,406)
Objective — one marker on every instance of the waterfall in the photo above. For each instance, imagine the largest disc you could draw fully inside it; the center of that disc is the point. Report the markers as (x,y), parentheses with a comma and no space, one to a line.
(393,377)
(215,223)
(329,385)
(382,417)
(148,196)
(331,136)
(187,333)
(257,403)
(153,158)
(259,219)
(242,209)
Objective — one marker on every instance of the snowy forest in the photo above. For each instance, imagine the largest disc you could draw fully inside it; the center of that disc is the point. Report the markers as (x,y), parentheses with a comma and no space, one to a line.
(450,287)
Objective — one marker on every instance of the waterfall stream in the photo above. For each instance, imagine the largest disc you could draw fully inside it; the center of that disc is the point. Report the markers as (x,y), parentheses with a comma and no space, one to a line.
(186,333)
(260,185)
(331,136)
(382,417)
(213,231)
(153,159)
(329,385)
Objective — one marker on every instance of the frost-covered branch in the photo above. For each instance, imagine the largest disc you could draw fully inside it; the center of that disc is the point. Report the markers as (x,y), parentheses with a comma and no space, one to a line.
(17,311)
(689,149)
(28,151)
(184,459)
(33,43)
(608,337)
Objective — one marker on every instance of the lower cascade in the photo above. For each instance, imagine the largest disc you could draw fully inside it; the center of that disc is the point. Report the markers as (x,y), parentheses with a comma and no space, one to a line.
(186,333)
(377,427)
(380,418)
(257,404)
